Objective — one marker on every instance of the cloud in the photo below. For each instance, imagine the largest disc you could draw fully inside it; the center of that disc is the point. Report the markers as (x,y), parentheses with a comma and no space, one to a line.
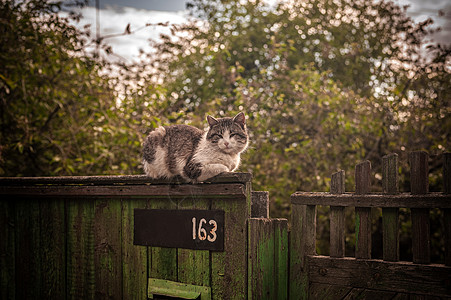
(114,20)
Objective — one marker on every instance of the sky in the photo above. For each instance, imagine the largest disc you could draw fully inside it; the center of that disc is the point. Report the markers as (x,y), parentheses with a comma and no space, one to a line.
(116,14)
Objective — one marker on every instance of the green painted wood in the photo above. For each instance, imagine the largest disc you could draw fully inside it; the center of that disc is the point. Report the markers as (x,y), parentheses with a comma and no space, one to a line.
(162,261)
(108,248)
(28,255)
(194,265)
(281,257)
(53,248)
(134,258)
(262,277)
(229,268)
(177,290)
(363,214)
(7,250)
(302,243)
(80,249)
(390,216)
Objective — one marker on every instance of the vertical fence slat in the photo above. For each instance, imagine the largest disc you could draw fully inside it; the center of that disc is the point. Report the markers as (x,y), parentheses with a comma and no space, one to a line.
(419,184)
(134,258)
(260,204)
(337,218)
(194,265)
(7,251)
(281,257)
(363,214)
(108,249)
(447,212)
(390,216)
(302,243)
(162,261)
(80,249)
(261,275)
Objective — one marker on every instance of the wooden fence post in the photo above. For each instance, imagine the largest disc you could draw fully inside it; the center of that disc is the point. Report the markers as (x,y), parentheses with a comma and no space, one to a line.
(390,216)
(337,218)
(419,184)
(447,211)
(363,214)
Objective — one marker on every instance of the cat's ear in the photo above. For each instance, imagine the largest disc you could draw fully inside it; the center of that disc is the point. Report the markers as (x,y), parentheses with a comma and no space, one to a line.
(240,119)
(212,121)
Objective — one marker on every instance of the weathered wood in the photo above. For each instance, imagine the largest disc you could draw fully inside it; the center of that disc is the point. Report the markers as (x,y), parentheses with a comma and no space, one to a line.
(363,214)
(401,277)
(28,255)
(260,204)
(7,250)
(447,212)
(328,291)
(302,243)
(162,261)
(53,248)
(431,200)
(194,265)
(175,190)
(107,249)
(337,217)
(419,184)
(390,216)
(281,257)
(261,275)
(134,258)
(80,249)
(232,177)
(229,268)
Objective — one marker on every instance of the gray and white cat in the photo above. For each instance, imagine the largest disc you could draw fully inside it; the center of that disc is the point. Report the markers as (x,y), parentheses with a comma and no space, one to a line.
(193,154)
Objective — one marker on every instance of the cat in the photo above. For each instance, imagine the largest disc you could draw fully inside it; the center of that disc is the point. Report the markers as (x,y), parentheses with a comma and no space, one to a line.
(195,155)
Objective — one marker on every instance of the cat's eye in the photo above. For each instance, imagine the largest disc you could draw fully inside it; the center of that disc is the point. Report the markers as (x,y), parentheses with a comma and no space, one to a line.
(216,135)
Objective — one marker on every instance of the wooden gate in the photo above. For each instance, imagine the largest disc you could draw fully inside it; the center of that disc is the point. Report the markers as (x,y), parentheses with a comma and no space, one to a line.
(361,277)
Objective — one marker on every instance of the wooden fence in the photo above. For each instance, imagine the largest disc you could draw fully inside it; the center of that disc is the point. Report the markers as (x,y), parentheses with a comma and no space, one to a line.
(340,277)
(73,238)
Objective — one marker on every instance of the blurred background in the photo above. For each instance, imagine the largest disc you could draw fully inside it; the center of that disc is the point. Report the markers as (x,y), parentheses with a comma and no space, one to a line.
(324,84)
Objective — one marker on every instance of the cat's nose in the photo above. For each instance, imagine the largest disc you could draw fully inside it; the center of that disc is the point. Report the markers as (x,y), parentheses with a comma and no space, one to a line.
(226,144)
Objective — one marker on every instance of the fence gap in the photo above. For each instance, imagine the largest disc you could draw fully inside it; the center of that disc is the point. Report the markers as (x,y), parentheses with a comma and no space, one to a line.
(363,214)
(419,184)
(337,219)
(390,215)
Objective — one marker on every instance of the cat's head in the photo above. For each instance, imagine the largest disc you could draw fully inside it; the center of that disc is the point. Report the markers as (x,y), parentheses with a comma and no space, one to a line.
(229,135)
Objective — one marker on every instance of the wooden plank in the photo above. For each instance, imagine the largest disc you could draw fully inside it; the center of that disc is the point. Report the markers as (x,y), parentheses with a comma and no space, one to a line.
(302,243)
(7,251)
(260,204)
(53,248)
(281,257)
(175,190)
(419,184)
(80,249)
(134,258)
(402,277)
(162,261)
(447,212)
(194,265)
(337,217)
(261,274)
(107,249)
(231,177)
(431,200)
(229,268)
(28,255)
(363,214)
(328,291)
(390,216)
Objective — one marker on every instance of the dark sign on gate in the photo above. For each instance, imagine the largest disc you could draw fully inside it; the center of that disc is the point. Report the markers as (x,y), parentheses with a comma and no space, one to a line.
(190,229)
